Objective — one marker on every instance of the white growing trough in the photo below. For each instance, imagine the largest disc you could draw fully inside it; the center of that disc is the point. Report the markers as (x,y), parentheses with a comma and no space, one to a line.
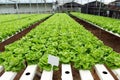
(8,76)
(29,73)
(66,73)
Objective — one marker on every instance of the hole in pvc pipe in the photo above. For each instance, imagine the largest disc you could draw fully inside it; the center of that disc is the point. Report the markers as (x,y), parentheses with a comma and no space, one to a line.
(27,73)
(67,72)
(104,72)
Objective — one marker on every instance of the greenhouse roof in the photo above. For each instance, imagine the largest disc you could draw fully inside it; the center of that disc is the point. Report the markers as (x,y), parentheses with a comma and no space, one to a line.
(51,1)
(24,1)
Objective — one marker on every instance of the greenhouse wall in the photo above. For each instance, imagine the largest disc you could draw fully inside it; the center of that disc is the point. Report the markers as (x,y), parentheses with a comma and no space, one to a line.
(25,8)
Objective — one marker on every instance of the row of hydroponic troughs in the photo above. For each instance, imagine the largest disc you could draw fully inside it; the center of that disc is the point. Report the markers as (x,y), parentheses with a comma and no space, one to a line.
(13,17)
(108,24)
(60,36)
(9,28)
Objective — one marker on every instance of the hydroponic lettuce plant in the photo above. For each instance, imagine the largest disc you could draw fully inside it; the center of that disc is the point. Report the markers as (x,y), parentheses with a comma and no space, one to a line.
(60,36)
(104,22)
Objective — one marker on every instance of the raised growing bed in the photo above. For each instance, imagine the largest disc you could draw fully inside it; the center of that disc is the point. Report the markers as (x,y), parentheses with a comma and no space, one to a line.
(19,35)
(109,38)
(108,24)
(10,28)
